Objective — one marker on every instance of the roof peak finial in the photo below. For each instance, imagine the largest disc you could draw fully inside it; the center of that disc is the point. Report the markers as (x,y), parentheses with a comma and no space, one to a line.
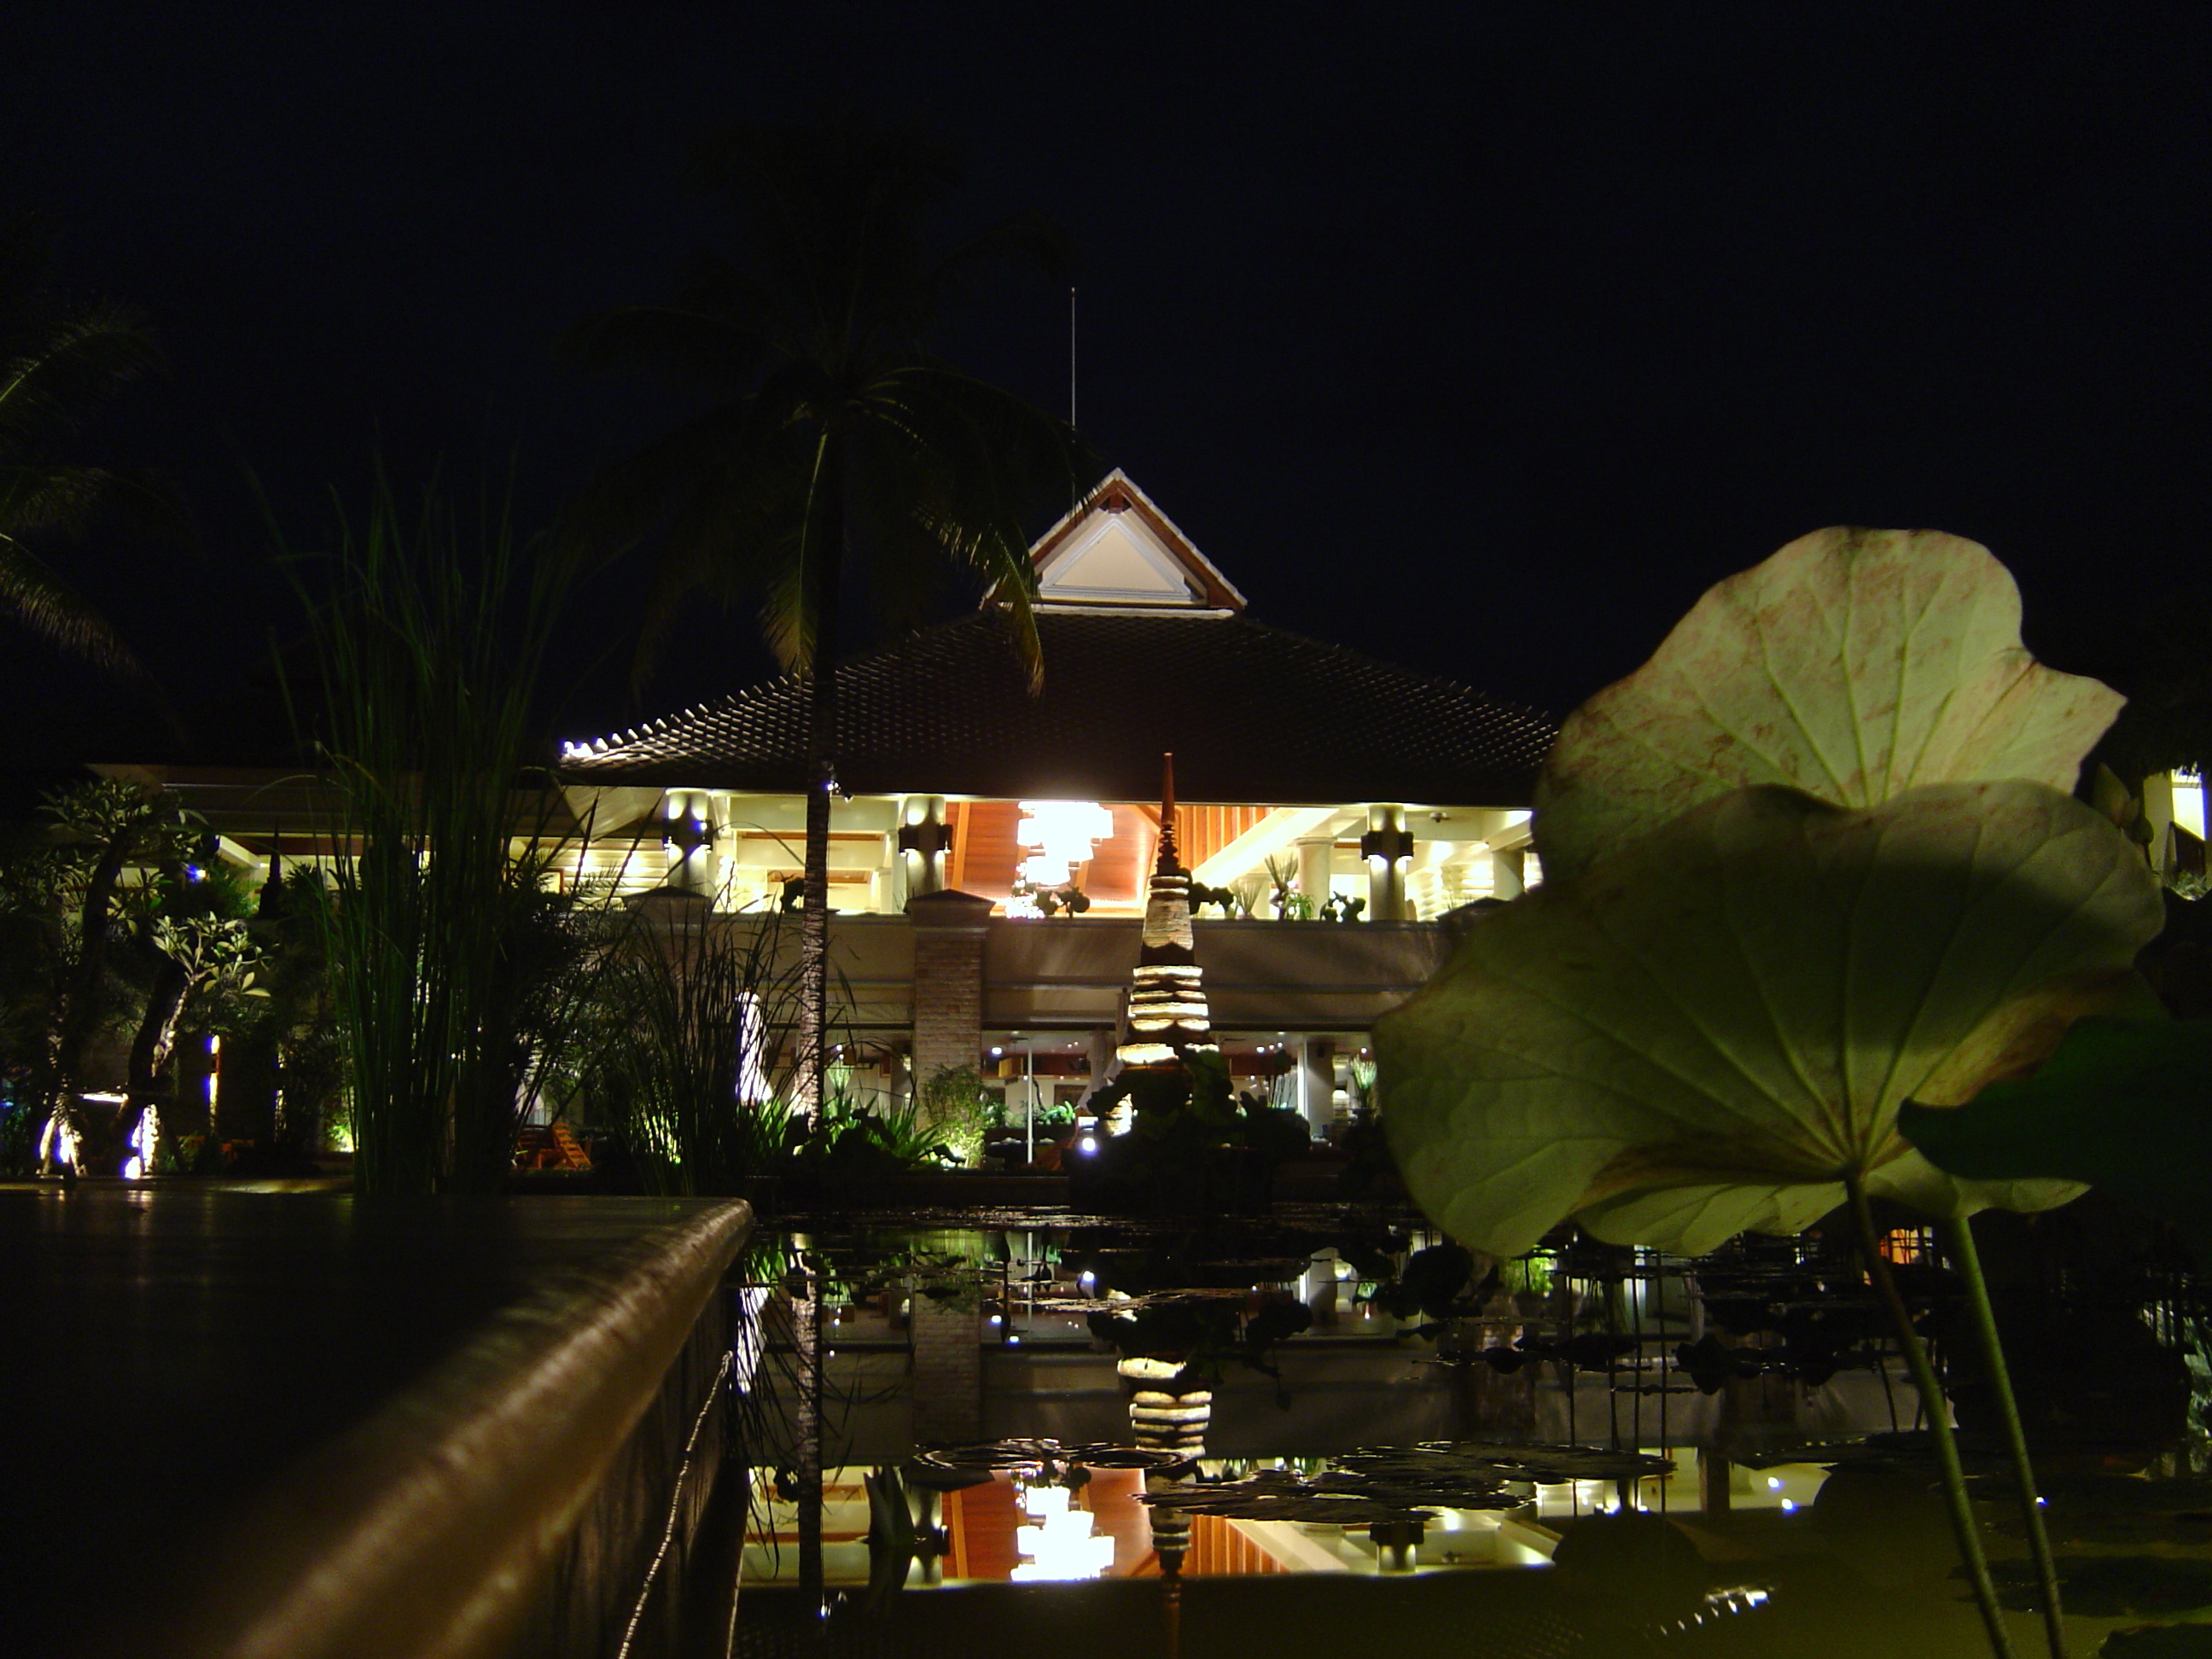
(1167,810)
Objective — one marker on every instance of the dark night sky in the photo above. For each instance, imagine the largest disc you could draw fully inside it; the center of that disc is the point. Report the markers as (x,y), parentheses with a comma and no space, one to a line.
(1482,339)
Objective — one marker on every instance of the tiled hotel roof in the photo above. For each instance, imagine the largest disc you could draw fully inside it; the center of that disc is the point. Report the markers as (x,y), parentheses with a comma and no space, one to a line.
(1252,713)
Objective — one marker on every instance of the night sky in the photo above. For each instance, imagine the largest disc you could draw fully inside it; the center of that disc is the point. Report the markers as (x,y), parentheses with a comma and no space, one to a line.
(1482,339)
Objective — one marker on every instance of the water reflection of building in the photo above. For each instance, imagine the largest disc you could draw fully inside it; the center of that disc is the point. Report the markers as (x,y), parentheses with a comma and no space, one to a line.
(1033,1371)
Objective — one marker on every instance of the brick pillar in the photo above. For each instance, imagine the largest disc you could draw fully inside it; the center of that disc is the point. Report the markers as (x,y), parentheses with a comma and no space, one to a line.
(948,980)
(948,1372)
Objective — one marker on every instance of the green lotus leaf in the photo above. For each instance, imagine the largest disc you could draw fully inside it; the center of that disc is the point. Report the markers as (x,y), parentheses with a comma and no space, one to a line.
(2124,1104)
(1854,664)
(1701,1036)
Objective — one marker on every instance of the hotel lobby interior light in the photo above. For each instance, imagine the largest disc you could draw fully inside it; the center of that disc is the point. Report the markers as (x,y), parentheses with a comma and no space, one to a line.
(1064,833)
(1059,1544)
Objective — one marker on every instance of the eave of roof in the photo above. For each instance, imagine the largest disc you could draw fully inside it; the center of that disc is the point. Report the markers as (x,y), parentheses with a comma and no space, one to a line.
(1252,713)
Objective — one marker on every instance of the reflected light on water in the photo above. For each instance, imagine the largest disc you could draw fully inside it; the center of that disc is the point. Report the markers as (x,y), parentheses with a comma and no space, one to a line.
(1754,1421)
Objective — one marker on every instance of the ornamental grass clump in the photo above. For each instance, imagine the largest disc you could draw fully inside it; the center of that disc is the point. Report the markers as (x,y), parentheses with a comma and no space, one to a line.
(1815,860)
(694,1009)
(460,973)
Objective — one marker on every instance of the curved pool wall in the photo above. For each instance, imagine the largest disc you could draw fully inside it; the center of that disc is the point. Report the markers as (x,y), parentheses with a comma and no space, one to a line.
(288,1423)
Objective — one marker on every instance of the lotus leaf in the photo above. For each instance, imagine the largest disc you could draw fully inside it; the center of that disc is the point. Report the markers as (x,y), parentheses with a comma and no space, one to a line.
(1701,1036)
(2115,1586)
(2159,1641)
(1483,1460)
(1854,664)
(1280,1495)
(2125,1104)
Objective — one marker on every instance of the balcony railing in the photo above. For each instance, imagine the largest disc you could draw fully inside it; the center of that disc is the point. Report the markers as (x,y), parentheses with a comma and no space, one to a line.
(1306,975)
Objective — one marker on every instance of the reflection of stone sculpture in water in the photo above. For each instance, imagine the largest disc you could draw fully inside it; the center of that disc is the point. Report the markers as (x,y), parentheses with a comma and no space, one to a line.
(1166,1416)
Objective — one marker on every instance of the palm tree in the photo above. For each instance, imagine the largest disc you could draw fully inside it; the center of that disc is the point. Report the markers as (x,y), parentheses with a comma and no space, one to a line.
(60,360)
(841,457)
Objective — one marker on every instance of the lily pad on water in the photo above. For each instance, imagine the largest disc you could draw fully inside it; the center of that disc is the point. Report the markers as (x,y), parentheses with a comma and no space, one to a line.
(2123,1104)
(1020,1453)
(2159,1641)
(1092,1456)
(1479,1459)
(1397,1483)
(1024,1454)
(1328,1509)
(1908,1448)
(1454,1488)
(1698,1037)
(1854,664)
(2106,1509)
(2113,1586)
(1283,1495)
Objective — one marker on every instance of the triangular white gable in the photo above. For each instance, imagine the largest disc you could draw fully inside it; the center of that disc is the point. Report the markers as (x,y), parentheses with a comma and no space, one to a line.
(1115,559)
(1117,548)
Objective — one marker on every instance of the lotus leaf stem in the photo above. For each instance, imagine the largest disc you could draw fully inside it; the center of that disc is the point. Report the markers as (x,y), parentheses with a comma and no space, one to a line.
(1939,1420)
(1959,1236)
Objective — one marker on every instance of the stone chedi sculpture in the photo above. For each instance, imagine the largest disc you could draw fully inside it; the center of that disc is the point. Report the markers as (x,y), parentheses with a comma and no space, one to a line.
(1168,1022)
(1168,1016)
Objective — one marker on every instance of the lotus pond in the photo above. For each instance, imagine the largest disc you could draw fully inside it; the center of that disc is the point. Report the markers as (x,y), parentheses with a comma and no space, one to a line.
(1330,1425)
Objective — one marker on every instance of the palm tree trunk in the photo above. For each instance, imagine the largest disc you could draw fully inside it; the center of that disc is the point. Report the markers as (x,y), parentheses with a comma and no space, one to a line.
(814,911)
(806,1343)
(827,553)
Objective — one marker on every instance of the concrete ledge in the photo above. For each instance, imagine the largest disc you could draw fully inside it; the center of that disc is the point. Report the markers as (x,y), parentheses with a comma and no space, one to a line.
(427,1530)
(289,1423)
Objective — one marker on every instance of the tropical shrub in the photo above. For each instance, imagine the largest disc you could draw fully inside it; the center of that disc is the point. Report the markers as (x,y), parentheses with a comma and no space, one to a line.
(114,936)
(1193,1143)
(960,1110)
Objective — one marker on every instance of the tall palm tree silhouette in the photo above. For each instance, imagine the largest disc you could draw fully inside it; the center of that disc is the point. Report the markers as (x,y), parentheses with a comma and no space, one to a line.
(841,457)
(61,360)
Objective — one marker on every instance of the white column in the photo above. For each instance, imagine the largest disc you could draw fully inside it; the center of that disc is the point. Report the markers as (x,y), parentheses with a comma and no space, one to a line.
(920,853)
(1317,865)
(1386,874)
(1505,881)
(1509,852)
(2157,813)
(1316,1080)
(694,865)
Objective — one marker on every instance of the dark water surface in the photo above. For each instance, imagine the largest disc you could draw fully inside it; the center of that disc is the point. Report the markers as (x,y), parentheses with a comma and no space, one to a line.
(165,1355)
(1788,1507)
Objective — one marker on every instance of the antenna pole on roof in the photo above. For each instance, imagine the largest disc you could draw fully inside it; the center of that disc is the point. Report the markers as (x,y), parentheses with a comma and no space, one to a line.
(1070,354)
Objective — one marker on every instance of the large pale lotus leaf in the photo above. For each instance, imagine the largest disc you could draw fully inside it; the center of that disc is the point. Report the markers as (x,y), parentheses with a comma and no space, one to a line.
(1700,1036)
(2124,1104)
(1853,664)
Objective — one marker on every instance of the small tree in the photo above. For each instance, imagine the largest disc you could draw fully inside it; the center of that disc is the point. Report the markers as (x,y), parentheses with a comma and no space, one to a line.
(958,1110)
(75,910)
